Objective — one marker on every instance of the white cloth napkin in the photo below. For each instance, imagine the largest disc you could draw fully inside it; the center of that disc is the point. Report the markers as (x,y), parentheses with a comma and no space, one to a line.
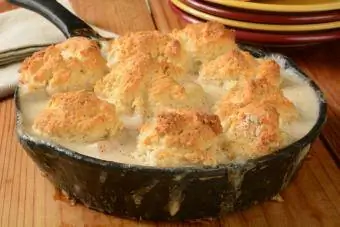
(21,33)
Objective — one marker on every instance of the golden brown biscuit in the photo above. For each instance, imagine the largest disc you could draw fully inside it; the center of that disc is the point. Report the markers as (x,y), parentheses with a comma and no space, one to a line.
(181,138)
(79,47)
(126,84)
(253,131)
(221,74)
(230,66)
(143,85)
(75,64)
(37,70)
(256,91)
(77,116)
(165,93)
(268,69)
(159,46)
(205,41)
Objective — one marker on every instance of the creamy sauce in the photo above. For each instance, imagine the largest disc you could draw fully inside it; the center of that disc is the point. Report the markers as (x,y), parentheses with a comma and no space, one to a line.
(120,149)
(215,90)
(305,101)
(32,104)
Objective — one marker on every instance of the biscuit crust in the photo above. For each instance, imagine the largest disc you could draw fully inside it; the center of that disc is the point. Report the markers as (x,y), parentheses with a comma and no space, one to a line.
(253,131)
(256,91)
(75,64)
(179,137)
(144,86)
(77,116)
(233,65)
(161,47)
(268,69)
(205,41)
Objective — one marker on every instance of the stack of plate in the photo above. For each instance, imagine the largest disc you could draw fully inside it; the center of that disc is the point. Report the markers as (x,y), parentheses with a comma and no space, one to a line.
(268,22)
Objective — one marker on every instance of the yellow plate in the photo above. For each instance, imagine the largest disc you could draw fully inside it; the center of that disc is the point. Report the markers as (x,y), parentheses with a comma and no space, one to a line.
(256,26)
(284,6)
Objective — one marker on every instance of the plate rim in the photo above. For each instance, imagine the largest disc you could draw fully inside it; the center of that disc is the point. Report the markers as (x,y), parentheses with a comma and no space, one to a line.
(327,35)
(257,26)
(277,7)
(266,17)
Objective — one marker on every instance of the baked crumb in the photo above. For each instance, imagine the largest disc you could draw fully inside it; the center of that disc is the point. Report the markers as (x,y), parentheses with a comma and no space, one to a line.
(278,198)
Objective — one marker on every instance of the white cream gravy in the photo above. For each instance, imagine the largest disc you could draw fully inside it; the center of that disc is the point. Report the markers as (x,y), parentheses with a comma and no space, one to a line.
(120,149)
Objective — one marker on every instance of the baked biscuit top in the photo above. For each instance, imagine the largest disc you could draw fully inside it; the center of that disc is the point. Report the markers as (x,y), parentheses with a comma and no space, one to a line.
(269,70)
(166,93)
(253,131)
(256,91)
(233,65)
(205,41)
(144,86)
(75,64)
(77,116)
(179,137)
(125,85)
(160,46)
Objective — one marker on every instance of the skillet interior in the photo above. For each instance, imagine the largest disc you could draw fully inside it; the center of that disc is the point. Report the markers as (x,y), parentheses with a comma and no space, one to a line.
(152,193)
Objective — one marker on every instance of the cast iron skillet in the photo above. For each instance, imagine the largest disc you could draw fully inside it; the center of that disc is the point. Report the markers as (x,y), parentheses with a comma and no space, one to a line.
(151,193)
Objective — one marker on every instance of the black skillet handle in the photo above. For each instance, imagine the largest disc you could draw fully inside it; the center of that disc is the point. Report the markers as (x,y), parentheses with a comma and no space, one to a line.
(67,22)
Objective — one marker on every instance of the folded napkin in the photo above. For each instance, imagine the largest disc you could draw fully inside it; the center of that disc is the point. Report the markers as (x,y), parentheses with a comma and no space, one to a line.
(22,33)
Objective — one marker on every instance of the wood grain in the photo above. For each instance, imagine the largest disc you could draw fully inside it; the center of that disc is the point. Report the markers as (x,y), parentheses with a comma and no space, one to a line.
(119,16)
(312,199)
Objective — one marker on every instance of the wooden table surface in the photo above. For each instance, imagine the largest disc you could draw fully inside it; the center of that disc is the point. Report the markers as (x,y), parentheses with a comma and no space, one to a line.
(312,199)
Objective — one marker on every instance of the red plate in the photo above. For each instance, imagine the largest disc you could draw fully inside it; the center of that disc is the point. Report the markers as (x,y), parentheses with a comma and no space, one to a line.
(271,39)
(263,17)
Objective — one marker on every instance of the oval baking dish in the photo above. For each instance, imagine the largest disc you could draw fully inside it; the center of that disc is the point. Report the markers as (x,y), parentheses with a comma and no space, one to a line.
(152,193)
